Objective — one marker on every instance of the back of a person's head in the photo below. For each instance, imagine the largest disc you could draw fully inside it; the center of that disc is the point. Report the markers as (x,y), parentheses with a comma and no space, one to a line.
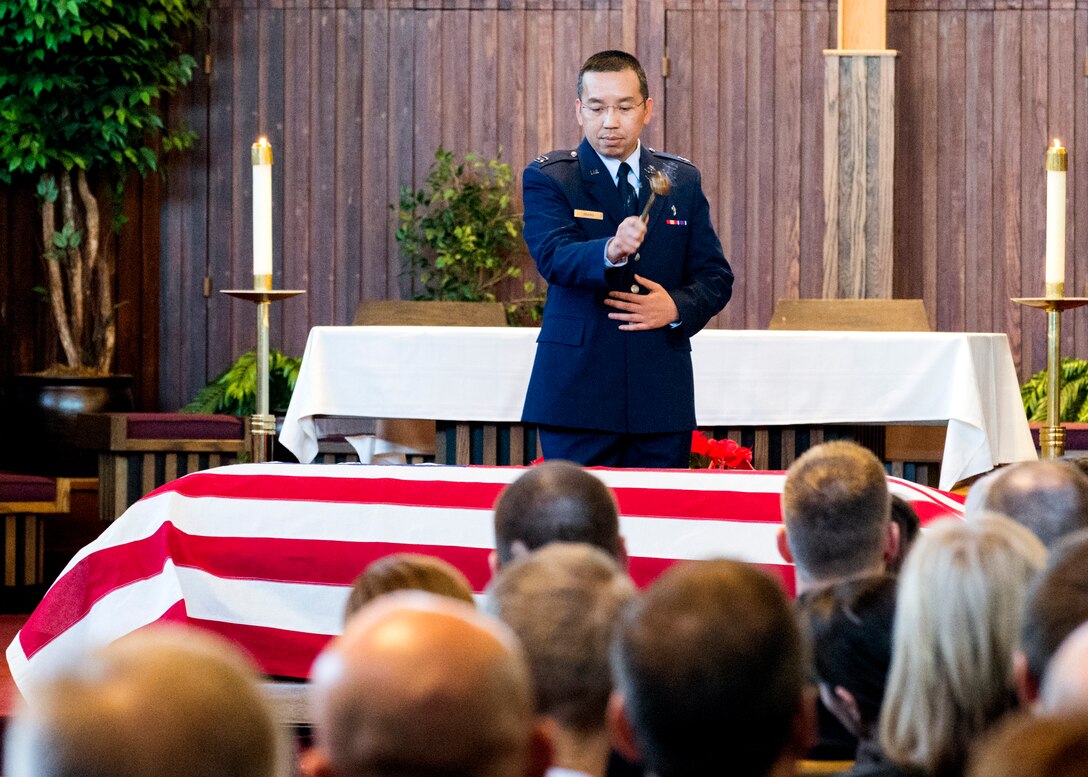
(408,571)
(1066,686)
(849,626)
(906,518)
(1057,603)
(1049,497)
(422,685)
(164,702)
(836,509)
(1030,746)
(563,602)
(556,501)
(961,596)
(708,663)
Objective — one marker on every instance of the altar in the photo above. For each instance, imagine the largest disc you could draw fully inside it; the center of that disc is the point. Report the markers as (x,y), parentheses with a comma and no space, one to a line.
(742,378)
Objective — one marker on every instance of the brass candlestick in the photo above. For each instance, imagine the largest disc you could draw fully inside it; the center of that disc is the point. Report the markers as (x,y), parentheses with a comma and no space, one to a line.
(262,424)
(1052,436)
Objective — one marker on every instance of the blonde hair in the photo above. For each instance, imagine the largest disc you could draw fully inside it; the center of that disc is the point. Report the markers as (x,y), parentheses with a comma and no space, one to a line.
(958,616)
(408,572)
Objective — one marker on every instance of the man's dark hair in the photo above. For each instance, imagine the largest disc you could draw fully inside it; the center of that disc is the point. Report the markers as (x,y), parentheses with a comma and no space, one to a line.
(1057,603)
(850,633)
(709,662)
(836,508)
(1049,497)
(556,501)
(614,61)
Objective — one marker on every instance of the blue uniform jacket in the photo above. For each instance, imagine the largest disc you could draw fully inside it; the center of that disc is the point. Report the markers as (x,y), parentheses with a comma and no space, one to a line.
(589,374)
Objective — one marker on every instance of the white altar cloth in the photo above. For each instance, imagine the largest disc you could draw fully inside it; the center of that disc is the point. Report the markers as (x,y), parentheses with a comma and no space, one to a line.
(742,378)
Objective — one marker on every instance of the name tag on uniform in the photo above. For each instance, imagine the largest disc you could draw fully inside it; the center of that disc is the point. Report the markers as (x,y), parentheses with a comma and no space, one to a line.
(596,215)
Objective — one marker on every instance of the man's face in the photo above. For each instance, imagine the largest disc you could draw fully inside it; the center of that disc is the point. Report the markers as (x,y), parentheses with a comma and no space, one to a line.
(612,112)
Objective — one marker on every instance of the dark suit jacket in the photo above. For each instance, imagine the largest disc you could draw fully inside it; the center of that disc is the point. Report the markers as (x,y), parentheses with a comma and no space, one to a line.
(589,374)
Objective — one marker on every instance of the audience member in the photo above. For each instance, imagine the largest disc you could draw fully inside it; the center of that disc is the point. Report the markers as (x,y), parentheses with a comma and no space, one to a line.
(836,515)
(709,672)
(1027,746)
(961,596)
(1065,688)
(1049,497)
(161,702)
(556,501)
(408,571)
(908,524)
(850,631)
(563,602)
(421,685)
(1057,604)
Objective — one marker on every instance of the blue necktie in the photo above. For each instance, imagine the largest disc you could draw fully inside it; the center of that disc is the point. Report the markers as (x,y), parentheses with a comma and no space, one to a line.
(627,191)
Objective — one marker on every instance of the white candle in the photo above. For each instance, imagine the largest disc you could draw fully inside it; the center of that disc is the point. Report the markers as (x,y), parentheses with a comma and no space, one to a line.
(262,214)
(1056,165)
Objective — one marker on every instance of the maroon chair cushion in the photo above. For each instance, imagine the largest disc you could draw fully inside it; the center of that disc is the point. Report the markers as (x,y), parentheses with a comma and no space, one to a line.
(26,488)
(184,426)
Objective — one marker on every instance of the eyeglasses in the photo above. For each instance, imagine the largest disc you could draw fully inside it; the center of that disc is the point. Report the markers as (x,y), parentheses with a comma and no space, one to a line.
(626,110)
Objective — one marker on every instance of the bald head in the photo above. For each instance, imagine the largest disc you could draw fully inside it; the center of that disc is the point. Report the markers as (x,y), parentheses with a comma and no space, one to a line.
(158,703)
(1048,497)
(422,685)
(556,501)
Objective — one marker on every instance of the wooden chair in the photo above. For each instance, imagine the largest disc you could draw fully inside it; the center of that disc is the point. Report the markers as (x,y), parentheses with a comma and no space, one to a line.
(851,315)
(138,452)
(24,502)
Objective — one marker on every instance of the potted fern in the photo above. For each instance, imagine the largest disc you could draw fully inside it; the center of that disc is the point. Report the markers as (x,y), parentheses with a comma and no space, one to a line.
(1073,405)
(234,391)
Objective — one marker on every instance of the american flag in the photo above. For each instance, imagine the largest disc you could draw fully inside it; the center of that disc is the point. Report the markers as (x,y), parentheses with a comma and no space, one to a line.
(265,554)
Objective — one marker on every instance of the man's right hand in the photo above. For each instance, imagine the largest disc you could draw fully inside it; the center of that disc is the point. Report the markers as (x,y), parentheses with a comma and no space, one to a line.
(629,236)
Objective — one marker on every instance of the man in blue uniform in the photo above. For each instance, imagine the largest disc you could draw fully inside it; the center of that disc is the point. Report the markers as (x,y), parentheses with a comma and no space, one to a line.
(612,382)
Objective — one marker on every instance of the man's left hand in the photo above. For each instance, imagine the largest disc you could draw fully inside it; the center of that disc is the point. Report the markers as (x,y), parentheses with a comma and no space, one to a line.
(643,311)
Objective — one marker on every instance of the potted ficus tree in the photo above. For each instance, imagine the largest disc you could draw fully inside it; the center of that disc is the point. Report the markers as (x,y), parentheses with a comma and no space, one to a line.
(459,236)
(81,90)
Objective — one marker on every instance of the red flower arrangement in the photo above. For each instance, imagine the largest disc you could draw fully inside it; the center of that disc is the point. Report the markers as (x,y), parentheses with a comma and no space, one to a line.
(708,453)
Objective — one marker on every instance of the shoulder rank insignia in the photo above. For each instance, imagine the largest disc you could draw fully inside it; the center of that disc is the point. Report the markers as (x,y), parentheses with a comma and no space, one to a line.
(555,156)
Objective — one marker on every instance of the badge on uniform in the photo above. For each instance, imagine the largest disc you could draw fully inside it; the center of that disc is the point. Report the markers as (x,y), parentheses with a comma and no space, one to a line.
(596,215)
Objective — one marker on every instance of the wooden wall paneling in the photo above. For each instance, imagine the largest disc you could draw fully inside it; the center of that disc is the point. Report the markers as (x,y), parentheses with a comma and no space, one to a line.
(138,294)
(184,241)
(817,29)
(759,153)
(1007,179)
(427,97)
(323,266)
(981,294)
(402,101)
(352,71)
(1034,139)
(542,120)
(685,65)
(270,121)
(733,163)
(299,221)
(566,45)
(786,204)
(1077,257)
(223,159)
(951,170)
(483,83)
(907,279)
(511,88)
(245,65)
(453,74)
(927,138)
(651,39)
(377,254)
(704,105)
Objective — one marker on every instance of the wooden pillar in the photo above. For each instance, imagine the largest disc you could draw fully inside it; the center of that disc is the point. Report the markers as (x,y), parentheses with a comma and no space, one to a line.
(859,160)
(859,155)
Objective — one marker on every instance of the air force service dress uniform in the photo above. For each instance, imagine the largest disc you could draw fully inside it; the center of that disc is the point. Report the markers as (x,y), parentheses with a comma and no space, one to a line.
(589,374)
